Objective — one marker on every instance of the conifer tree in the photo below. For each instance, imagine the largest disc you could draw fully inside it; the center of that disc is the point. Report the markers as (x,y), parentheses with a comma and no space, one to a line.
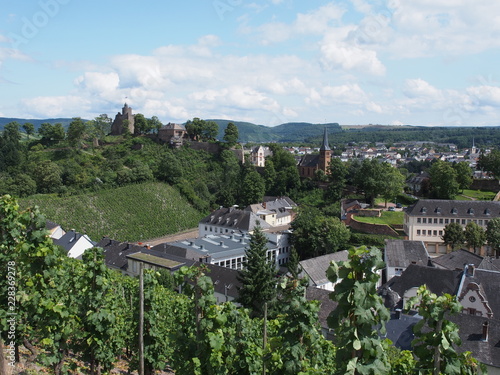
(257,277)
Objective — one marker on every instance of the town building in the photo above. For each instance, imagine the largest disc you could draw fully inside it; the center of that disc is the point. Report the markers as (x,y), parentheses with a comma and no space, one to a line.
(258,155)
(173,134)
(309,164)
(426,219)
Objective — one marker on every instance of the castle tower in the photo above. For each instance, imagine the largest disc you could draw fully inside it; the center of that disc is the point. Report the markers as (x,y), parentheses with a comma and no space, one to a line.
(126,115)
(325,154)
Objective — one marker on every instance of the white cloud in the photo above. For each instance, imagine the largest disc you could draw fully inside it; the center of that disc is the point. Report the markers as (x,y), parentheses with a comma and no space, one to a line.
(338,55)
(418,88)
(55,106)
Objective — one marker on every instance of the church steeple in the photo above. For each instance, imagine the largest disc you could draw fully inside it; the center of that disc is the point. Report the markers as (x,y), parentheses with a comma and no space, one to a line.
(324,154)
(325,146)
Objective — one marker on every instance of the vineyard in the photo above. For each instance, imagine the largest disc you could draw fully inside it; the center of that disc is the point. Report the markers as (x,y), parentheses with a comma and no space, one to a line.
(133,213)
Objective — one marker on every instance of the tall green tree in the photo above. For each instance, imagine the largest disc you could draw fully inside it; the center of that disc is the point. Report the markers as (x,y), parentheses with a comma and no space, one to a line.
(141,124)
(490,163)
(252,188)
(258,283)
(314,234)
(443,178)
(29,129)
(76,132)
(337,178)
(436,338)
(51,133)
(493,235)
(155,123)
(453,235)
(360,316)
(394,182)
(231,134)
(474,235)
(464,174)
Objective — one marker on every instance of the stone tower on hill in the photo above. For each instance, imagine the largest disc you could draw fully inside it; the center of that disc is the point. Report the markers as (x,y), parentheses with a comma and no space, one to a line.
(126,118)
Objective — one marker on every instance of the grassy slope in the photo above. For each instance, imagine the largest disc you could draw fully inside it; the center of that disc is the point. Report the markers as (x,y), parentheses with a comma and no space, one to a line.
(131,213)
(388,217)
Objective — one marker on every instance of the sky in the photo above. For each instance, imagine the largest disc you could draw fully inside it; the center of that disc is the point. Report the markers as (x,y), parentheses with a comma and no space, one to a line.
(394,62)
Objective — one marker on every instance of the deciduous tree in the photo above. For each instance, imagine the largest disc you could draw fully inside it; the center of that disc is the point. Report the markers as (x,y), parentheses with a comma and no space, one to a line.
(231,134)
(453,235)
(474,235)
(443,180)
(493,235)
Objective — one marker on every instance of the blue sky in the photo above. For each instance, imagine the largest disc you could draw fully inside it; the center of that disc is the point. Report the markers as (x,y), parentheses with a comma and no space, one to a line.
(420,62)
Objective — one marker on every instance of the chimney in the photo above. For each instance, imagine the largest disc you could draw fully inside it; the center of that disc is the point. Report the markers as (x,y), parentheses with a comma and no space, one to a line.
(470,270)
(484,336)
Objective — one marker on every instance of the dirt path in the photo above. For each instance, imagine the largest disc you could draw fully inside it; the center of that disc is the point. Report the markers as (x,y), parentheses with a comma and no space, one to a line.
(190,233)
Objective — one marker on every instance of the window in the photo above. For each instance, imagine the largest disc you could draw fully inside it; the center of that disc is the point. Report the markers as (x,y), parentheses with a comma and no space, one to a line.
(480,222)
(452,220)
(419,220)
(463,221)
(424,220)
(440,232)
(435,221)
(446,221)
(440,221)
(435,233)
(418,232)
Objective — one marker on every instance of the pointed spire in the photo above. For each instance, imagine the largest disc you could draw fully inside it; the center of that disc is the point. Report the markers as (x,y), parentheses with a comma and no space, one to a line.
(325,146)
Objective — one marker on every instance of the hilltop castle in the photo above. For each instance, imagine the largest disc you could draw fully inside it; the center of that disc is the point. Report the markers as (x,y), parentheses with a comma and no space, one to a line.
(118,124)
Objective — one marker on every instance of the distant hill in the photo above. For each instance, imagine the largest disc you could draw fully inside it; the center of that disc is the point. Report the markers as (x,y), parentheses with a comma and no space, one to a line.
(289,132)
(36,122)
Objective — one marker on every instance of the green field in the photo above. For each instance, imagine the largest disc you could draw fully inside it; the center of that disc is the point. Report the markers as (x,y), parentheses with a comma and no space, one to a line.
(388,217)
(132,213)
(480,195)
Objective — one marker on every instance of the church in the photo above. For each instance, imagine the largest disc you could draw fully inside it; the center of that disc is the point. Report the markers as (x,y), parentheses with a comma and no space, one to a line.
(309,164)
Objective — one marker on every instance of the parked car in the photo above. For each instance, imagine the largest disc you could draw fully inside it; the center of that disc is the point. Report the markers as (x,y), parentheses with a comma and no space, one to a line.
(399,205)
(391,209)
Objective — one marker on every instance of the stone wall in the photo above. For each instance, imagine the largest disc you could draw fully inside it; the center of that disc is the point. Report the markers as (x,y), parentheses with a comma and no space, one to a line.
(492,185)
(382,229)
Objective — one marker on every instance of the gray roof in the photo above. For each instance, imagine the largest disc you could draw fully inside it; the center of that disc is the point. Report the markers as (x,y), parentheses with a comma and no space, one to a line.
(324,145)
(70,238)
(470,329)
(309,160)
(215,246)
(327,305)
(489,282)
(438,280)
(315,268)
(457,259)
(234,219)
(462,209)
(115,252)
(402,253)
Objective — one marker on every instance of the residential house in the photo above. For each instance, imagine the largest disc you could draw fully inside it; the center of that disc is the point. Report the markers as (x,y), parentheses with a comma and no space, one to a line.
(315,269)
(399,254)
(259,154)
(75,243)
(426,219)
(55,230)
(127,259)
(173,134)
(476,290)
(276,211)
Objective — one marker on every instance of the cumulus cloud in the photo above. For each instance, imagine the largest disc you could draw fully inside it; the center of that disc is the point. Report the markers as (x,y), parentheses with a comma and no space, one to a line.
(338,55)
(55,106)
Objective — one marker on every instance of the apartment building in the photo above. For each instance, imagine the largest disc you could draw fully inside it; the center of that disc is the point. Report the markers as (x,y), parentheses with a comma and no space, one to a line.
(426,219)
